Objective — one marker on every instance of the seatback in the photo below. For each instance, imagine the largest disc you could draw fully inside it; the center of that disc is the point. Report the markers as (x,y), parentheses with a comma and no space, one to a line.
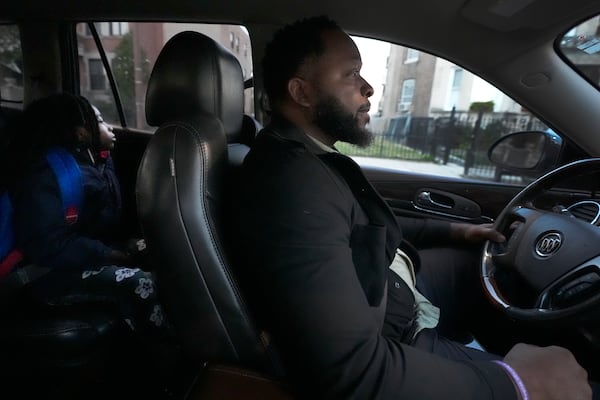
(195,97)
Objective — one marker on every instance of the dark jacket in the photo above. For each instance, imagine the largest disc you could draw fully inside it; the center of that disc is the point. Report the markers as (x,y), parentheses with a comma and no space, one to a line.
(318,243)
(41,231)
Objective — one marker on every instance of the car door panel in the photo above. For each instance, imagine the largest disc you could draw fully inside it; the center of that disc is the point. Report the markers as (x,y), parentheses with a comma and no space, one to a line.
(421,195)
(445,203)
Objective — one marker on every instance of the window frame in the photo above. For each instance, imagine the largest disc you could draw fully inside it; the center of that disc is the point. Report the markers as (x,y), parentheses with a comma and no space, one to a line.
(18,83)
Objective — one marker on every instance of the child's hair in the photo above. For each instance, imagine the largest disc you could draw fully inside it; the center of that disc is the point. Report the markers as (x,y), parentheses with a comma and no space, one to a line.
(53,121)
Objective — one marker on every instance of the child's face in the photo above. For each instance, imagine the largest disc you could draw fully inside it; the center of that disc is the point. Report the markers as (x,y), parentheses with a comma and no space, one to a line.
(107,137)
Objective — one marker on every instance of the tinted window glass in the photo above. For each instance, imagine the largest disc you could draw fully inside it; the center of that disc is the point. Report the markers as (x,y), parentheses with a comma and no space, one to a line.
(11,65)
(432,116)
(131,50)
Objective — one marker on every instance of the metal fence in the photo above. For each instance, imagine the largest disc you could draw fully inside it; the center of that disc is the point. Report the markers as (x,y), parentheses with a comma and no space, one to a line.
(452,137)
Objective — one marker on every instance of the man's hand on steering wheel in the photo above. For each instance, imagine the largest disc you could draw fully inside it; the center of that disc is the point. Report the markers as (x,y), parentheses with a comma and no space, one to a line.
(474,233)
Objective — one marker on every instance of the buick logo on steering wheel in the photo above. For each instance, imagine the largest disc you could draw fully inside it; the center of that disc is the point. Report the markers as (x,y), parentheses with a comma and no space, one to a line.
(548,244)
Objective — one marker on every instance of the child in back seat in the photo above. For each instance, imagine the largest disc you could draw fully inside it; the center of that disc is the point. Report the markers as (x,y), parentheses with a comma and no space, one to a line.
(84,265)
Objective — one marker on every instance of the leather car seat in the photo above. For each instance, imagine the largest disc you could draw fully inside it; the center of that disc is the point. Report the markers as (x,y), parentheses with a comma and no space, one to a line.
(195,98)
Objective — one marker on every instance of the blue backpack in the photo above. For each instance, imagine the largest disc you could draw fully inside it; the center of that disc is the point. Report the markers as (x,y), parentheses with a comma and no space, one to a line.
(70,184)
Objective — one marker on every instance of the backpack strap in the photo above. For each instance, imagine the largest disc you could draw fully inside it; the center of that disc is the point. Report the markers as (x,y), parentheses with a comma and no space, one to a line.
(68,176)
(6,225)
(9,256)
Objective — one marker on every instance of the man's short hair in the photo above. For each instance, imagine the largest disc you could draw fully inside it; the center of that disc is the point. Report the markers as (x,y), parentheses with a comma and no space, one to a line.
(290,47)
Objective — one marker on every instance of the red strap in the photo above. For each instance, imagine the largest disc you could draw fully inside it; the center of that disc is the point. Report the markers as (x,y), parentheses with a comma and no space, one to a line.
(10,261)
(71,215)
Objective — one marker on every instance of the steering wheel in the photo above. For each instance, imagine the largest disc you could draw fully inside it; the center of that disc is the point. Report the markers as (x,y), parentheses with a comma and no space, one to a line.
(554,253)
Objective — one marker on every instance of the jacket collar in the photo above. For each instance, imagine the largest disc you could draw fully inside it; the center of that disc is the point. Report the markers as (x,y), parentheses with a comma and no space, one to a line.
(374,205)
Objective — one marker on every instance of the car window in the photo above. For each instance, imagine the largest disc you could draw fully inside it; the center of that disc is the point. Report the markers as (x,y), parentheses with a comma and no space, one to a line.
(11,66)
(131,50)
(432,116)
(581,46)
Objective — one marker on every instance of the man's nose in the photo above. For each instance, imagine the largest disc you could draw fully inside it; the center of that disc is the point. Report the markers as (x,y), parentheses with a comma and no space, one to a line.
(366,89)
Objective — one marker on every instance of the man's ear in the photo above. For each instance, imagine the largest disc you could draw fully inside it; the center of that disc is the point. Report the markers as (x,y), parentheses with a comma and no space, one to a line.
(299,91)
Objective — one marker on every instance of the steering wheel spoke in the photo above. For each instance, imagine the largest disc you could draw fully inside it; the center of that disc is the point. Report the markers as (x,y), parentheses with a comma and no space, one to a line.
(580,284)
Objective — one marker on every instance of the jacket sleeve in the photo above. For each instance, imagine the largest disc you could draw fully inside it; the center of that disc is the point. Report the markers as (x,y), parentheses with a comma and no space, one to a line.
(425,232)
(42,232)
(296,225)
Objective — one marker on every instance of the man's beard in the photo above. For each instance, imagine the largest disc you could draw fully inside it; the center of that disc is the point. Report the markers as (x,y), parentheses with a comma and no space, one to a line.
(340,124)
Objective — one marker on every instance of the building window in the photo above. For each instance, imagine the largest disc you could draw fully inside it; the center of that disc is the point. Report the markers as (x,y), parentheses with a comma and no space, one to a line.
(457,79)
(406,96)
(109,28)
(97,79)
(103,28)
(412,56)
(456,83)
(118,28)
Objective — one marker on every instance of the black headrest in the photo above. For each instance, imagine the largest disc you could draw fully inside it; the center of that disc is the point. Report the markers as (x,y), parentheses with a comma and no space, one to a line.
(193,75)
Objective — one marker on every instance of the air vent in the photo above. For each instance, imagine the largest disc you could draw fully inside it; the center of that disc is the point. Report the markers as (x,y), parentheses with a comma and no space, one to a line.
(587,210)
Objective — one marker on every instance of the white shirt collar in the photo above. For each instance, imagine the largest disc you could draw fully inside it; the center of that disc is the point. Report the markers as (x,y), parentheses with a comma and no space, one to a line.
(322,145)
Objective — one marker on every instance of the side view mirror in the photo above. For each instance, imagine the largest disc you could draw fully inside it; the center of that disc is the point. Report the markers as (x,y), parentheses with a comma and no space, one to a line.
(527,152)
